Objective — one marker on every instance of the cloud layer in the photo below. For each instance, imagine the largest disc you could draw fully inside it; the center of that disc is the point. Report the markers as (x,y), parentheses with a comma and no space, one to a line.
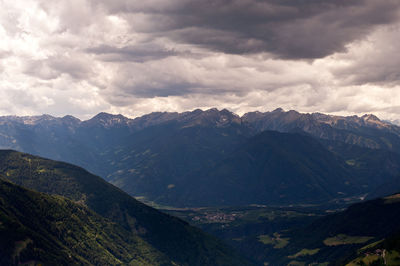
(80,57)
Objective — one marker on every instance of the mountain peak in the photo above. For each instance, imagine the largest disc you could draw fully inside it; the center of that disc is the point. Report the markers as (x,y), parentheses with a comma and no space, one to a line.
(154,118)
(211,110)
(370,117)
(211,116)
(107,120)
(104,115)
(372,120)
(278,110)
(70,119)
(34,120)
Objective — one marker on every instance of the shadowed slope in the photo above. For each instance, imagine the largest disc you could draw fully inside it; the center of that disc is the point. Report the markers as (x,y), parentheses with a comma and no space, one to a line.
(36,227)
(182,243)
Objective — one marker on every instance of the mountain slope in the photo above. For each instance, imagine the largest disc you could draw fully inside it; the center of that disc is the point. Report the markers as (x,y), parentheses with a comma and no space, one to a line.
(158,158)
(180,242)
(271,168)
(383,252)
(379,168)
(338,237)
(38,228)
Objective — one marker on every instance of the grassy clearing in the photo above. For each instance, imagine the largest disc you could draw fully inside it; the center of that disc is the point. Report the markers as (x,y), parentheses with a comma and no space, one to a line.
(20,246)
(392,199)
(392,257)
(346,240)
(371,245)
(296,263)
(276,240)
(304,252)
(367,260)
(266,239)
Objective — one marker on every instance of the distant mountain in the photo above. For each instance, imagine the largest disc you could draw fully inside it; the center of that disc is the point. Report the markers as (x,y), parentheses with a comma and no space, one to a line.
(394,122)
(38,229)
(366,131)
(172,238)
(157,155)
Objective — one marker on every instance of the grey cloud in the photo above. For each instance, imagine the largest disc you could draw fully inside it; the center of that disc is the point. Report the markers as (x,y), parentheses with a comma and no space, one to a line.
(13,101)
(139,84)
(73,15)
(54,67)
(40,69)
(10,23)
(385,75)
(175,76)
(135,53)
(4,54)
(148,91)
(379,63)
(294,29)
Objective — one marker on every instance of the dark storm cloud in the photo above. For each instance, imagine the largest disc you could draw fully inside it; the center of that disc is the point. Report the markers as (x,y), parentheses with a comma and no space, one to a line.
(293,29)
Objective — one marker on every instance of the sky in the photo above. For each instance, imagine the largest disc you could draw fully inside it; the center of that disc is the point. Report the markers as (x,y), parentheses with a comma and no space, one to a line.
(82,57)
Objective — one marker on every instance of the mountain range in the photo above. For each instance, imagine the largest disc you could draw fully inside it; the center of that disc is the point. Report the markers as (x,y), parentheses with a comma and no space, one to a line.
(300,164)
(175,158)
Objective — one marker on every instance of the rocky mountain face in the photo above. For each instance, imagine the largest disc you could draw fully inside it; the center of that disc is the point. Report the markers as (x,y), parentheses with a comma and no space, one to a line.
(159,155)
(366,131)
